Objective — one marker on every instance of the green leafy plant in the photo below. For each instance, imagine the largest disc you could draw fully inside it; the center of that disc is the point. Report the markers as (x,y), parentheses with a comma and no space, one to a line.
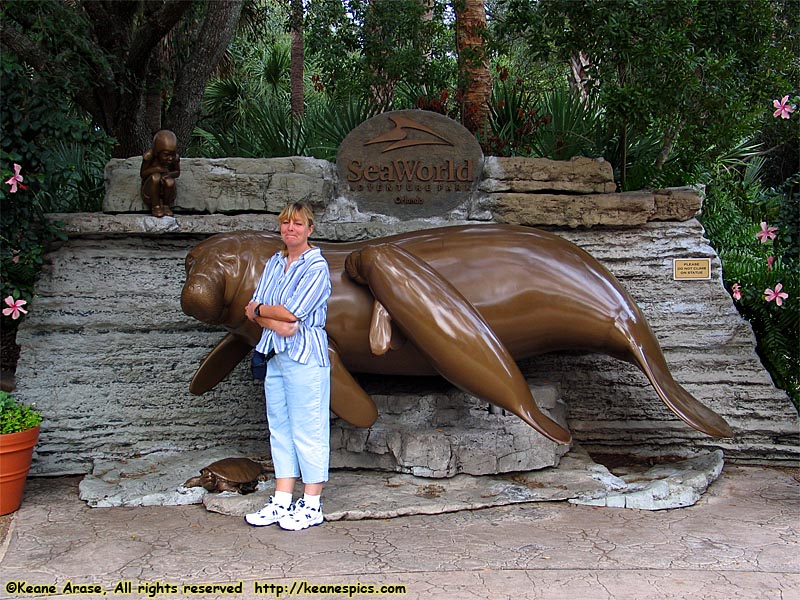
(755,233)
(269,130)
(16,417)
(571,128)
(335,118)
(25,231)
(514,119)
(51,161)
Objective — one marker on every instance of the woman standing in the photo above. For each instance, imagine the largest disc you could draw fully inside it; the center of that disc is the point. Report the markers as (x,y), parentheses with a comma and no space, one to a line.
(290,303)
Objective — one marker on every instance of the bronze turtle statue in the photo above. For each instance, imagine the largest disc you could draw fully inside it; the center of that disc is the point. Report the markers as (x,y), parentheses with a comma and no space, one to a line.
(229,475)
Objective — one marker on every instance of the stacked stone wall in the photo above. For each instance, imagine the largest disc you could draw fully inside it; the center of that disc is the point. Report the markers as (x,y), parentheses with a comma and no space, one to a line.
(107,353)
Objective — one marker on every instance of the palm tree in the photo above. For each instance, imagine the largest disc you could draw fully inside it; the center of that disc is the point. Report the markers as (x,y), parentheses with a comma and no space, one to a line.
(475,81)
(296,73)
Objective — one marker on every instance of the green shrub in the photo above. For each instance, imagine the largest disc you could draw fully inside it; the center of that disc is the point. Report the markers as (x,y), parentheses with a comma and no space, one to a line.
(755,233)
(24,233)
(16,417)
(61,157)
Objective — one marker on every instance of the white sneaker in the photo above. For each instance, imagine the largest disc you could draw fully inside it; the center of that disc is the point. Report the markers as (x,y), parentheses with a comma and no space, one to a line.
(301,517)
(271,513)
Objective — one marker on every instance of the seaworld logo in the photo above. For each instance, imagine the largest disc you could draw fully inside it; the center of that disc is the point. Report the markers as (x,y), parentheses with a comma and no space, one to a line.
(399,135)
(410,170)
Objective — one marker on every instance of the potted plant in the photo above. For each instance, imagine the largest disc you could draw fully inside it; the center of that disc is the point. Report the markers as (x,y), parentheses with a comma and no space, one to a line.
(19,432)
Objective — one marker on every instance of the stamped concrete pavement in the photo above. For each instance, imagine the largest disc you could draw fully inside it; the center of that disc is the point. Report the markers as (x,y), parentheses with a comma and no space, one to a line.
(739,541)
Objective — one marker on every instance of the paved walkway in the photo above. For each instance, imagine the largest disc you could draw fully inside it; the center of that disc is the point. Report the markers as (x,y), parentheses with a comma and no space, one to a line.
(740,541)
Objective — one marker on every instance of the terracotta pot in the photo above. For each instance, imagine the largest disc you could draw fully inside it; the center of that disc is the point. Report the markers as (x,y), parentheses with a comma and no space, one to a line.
(16,450)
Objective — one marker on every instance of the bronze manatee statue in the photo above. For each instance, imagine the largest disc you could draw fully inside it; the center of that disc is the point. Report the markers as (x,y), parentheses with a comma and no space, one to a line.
(466,302)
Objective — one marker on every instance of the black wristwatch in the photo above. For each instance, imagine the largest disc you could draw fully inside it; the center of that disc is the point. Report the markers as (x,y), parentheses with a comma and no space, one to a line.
(258,308)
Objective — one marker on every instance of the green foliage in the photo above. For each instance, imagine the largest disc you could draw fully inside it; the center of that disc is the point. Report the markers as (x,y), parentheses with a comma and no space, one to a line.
(735,206)
(686,75)
(73,177)
(16,417)
(42,131)
(788,219)
(25,233)
(371,48)
(360,59)
(571,129)
(268,129)
(634,157)
(334,119)
(134,66)
(560,125)
(513,119)
(62,159)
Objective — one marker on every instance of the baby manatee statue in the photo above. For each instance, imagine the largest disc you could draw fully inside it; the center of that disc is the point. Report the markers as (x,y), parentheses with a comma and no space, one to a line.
(465,302)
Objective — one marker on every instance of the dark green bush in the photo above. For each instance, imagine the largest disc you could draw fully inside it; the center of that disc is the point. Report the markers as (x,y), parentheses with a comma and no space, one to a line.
(736,211)
(61,158)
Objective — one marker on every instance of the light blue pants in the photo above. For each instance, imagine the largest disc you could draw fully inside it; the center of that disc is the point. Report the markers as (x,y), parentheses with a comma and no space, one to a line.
(298,411)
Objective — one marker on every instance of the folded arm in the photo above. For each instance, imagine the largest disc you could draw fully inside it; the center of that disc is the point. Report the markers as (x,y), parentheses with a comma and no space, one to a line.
(274,317)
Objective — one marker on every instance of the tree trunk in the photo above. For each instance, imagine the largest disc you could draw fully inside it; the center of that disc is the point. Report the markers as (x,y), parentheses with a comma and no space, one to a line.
(213,39)
(297,59)
(475,81)
(666,147)
(579,78)
(119,76)
(382,86)
(151,109)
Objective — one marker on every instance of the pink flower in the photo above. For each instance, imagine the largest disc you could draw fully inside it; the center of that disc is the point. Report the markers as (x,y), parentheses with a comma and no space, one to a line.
(770,262)
(770,295)
(15,256)
(737,291)
(766,233)
(14,307)
(784,109)
(15,180)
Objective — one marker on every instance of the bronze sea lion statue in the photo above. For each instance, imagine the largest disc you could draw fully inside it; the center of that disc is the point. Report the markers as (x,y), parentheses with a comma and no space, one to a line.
(465,302)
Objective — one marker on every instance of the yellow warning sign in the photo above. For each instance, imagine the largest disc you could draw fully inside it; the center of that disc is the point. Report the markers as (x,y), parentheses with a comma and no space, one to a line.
(691,268)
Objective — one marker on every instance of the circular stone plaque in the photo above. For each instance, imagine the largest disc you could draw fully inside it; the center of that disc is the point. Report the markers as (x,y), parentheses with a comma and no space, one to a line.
(409,164)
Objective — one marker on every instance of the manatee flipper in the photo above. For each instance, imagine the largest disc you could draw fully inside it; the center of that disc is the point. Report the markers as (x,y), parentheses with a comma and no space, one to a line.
(382,335)
(445,327)
(349,401)
(650,359)
(228,353)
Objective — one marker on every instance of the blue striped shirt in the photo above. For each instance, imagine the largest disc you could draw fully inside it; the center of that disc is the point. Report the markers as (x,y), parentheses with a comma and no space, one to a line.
(304,291)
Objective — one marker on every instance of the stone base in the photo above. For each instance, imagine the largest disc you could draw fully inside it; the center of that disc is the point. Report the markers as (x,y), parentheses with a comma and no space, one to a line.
(365,494)
(445,432)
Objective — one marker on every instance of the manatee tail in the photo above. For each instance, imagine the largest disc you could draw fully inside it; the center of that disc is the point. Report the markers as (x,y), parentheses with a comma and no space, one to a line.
(447,329)
(644,347)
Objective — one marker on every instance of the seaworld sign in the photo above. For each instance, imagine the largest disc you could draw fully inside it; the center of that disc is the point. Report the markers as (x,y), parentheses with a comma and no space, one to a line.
(409,163)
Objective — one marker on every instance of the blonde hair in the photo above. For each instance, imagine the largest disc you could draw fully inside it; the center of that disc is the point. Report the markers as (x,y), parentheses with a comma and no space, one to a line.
(294,210)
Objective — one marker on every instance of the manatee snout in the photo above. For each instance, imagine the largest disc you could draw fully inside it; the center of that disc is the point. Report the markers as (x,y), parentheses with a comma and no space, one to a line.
(203,299)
